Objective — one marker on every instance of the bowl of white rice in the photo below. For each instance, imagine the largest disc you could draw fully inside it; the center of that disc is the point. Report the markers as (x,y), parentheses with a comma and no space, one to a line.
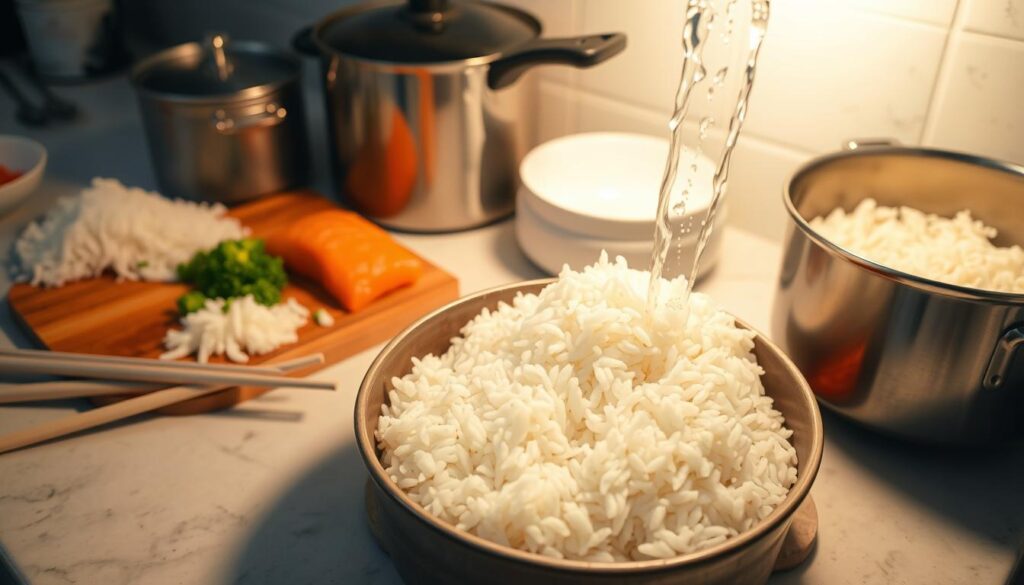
(554,431)
(901,295)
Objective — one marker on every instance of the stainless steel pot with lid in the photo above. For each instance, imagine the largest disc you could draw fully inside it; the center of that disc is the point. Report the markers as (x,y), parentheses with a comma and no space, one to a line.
(224,119)
(427,123)
(904,354)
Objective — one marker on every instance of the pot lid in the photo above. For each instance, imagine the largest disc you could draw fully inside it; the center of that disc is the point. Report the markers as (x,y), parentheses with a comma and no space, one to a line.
(216,68)
(426,31)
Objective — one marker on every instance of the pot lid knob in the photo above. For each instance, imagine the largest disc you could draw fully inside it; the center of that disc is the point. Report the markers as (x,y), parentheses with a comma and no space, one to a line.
(428,15)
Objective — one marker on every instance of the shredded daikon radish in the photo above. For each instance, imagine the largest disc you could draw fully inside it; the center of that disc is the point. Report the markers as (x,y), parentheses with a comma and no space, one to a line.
(139,235)
(244,328)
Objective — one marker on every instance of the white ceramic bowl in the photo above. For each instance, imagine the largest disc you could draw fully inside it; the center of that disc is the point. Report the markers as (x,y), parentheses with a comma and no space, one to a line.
(27,156)
(606,183)
(550,247)
(584,193)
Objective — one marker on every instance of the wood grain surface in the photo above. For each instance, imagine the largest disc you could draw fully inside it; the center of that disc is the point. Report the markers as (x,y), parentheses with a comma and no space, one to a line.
(800,539)
(104,316)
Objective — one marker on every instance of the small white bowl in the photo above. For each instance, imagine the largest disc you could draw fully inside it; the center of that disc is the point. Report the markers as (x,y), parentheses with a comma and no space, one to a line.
(27,156)
(550,247)
(606,183)
(584,193)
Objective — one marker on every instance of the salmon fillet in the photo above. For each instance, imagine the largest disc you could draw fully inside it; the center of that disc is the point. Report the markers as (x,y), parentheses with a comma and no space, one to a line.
(356,261)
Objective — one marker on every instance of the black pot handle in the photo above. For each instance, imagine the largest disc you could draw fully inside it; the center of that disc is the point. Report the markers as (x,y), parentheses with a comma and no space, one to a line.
(575,51)
(303,42)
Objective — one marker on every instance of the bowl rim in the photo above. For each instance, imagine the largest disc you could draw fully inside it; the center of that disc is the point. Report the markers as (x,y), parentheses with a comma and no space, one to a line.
(367,448)
(921,283)
(28,174)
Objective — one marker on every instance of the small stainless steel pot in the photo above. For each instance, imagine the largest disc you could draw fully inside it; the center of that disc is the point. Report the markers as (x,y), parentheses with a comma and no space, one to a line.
(224,120)
(427,551)
(427,126)
(907,355)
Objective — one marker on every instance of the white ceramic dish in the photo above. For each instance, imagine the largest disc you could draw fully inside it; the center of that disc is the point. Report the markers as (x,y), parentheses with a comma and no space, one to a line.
(550,247)
(606,184)
(27,156)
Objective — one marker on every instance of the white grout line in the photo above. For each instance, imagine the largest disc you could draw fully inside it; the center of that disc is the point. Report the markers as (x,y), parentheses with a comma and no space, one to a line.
(901,18)
(944,73)
(1001,38)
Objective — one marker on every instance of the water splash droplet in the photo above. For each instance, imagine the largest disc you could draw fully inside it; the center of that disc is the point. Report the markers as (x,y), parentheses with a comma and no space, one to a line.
(700,19)
(699,74)
(720,75)
(705,124)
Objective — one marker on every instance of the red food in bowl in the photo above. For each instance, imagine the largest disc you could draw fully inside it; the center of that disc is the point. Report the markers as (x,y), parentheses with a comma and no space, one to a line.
(7,175)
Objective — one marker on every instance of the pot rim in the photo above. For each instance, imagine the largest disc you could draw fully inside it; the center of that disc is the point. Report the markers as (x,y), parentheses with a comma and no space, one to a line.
(367,448)
(433,66)
(192,48)
(904,278)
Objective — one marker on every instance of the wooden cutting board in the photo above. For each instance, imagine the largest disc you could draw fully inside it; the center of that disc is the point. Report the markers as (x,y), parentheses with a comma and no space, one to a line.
(103,316)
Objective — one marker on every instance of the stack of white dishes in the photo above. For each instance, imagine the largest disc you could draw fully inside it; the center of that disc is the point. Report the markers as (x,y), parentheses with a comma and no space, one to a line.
(584,193)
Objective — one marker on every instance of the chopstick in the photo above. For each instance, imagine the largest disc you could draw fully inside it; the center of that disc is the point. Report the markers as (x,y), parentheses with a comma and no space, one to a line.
(64,389)
(60,390)
(126,408)
(146,371)
(110,359)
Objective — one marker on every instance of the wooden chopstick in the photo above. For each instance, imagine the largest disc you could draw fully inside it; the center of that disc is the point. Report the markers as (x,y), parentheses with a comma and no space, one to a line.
(112,359)
(26,364)
(63,389)
(120,410)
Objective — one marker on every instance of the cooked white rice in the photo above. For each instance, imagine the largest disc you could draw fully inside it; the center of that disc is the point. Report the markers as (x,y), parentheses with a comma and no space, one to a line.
(135,233)
(246,328)
(571,424)
(955,251)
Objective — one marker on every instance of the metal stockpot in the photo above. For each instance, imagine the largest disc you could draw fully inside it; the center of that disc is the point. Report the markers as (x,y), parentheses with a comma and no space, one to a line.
(427,127)
(224,120)
(903,354)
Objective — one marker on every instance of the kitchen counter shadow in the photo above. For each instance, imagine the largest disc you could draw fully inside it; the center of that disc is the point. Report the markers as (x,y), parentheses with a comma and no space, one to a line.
(315,532)
(978,487)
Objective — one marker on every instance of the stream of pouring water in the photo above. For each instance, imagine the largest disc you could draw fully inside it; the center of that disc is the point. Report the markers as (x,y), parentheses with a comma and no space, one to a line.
(700,18)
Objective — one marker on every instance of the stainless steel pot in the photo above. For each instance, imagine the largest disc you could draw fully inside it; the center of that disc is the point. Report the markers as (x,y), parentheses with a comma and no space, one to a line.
(224,120)
(903,354)
(427,127)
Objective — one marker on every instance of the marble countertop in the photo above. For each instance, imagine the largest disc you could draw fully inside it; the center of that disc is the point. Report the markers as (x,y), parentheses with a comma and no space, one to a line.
(271,491)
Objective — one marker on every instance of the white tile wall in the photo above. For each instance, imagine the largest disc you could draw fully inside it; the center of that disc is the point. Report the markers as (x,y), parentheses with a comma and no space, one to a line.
(758,173)
(979,105)
(558,113)
(941,72)
(939,12)
(829,73)
(597,112)
(995,17)
(647,72)
(919,71)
